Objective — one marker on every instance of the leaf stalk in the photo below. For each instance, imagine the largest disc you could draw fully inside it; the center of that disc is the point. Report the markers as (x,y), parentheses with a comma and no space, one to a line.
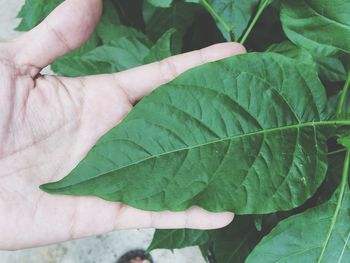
(339,201)
(218,18)
(344,178)
(263,4)
(336,151)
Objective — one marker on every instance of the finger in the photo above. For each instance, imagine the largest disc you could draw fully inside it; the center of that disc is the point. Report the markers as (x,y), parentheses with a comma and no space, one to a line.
(140,81)
(64,30)
(96,216)
(59,219)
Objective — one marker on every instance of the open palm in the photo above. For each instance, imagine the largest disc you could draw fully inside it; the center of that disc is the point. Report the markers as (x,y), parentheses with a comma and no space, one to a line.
(48,124)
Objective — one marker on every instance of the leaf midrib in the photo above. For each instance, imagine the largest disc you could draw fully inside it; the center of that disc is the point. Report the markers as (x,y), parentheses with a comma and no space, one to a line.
(270,130)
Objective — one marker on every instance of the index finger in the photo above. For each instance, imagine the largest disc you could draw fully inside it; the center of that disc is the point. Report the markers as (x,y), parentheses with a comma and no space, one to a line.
(140,81)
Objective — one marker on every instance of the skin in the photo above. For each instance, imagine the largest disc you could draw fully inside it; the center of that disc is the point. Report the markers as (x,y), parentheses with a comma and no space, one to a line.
(49,123)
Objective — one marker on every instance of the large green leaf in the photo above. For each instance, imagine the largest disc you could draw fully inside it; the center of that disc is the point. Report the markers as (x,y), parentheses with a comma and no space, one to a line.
(320,234)
(178,238)
(246,134)
(321,26)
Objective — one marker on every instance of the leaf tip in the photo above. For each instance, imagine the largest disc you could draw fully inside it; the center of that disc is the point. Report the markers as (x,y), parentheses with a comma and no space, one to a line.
(48,188)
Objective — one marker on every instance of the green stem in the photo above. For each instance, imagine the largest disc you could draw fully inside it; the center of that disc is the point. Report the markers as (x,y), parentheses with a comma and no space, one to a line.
(343,184)
(261,8)
(344,178)
(343,95)
(336,152)
(217,17)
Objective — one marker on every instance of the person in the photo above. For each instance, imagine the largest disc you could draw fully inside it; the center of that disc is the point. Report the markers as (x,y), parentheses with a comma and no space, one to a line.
(49,123)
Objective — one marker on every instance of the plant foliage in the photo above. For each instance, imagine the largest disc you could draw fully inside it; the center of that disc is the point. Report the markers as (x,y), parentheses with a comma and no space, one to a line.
(264,134)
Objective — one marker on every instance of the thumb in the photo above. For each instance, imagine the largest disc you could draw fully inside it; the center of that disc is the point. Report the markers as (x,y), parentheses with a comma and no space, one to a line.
(64,30)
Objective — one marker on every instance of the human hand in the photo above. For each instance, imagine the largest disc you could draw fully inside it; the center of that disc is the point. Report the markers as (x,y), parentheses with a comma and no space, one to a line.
(48,124)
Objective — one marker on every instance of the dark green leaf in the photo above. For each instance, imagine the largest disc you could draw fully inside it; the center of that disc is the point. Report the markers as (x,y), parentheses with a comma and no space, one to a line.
(111,33)
(320,234)
(345,141)
(202,33)
(179,16)
(130,13)
(331,68)
(162,49)
(231,15)
(161,3)
(34,11)
(321,26)
(331,182)
(267,31)
(148,11)
(258,220)
(88,46)
(230,244)
(122,54)
(110,14)
(110,28)
(290,50)
(212,138)
(233,243)
(178,238)
(80,66)
(206,252)
(73,64)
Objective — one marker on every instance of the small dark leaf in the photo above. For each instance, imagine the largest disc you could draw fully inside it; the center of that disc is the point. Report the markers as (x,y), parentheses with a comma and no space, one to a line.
(34,11)
(122,54)
(111,33)
(162,49)
(331,68)
(233,243)
(161,3)
(267,31)
(234,14)
(79,66)
(179,16)
(178,238)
